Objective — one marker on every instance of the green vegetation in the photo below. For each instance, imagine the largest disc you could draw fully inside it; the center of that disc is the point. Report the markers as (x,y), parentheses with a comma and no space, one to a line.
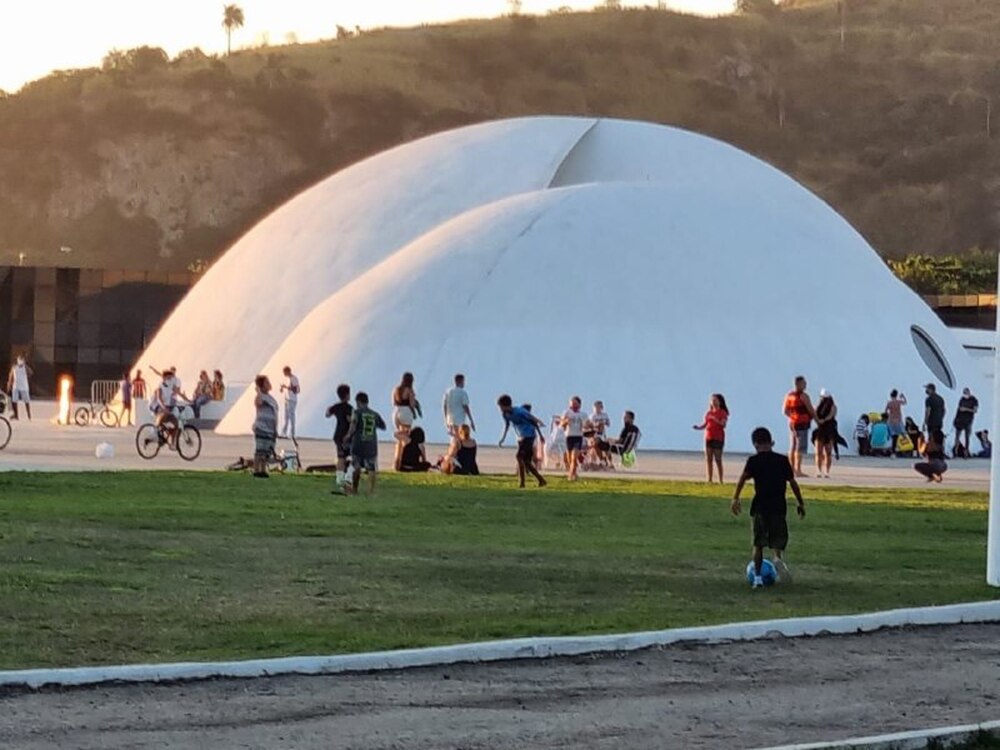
(128,567)
(884,107)
(973,273)
(983,741)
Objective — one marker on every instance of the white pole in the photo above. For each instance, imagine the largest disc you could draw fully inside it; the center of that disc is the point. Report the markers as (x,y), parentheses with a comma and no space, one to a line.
(993,535)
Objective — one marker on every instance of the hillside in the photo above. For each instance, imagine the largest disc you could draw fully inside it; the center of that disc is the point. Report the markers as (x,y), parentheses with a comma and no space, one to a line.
(157,163)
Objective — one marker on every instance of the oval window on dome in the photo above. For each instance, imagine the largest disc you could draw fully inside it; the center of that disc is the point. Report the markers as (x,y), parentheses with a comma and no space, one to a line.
(931,354)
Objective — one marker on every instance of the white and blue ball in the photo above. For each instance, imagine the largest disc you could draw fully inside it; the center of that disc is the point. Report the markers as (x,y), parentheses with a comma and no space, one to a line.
(768,572)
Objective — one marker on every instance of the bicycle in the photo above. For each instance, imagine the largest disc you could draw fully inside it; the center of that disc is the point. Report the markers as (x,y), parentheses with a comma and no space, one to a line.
(5,432)
(85,415)
(184,438)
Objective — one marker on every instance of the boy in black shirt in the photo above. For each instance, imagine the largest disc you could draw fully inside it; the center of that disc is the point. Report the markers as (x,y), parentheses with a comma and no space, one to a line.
(771,473)
(342,411)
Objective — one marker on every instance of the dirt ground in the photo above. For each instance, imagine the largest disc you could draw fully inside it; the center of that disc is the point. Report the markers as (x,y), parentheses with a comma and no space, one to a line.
(722,696)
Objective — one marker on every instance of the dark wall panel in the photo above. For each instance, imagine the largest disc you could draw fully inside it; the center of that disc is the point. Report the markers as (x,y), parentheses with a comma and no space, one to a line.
(88,323)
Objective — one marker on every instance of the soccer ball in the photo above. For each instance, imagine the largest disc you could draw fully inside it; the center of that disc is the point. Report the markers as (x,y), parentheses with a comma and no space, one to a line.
(767,572)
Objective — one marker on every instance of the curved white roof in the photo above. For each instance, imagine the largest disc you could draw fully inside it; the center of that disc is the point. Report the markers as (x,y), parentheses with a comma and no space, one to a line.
(649,296)
(636,263)
(253,297)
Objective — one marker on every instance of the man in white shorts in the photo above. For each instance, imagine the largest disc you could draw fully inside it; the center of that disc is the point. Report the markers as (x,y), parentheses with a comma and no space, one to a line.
(456,407)
(17,384)
(291,390)
(572,423)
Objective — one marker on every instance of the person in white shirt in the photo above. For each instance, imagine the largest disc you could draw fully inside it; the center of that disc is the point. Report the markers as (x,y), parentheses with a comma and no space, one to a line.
(291,390)
(17,384)
(164,400)
(600,419)
(456,407)
(572,422)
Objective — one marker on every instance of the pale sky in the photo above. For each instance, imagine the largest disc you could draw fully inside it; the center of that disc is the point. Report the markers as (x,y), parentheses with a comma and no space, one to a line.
(37,37)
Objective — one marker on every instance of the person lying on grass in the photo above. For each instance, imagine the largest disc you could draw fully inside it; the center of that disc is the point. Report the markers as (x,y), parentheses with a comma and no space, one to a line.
(771,473)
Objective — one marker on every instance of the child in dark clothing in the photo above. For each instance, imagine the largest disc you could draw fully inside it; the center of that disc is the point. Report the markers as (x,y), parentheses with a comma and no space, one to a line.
(771,473)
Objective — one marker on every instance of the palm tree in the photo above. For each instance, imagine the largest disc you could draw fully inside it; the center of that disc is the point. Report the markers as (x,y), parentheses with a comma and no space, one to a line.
(232,18)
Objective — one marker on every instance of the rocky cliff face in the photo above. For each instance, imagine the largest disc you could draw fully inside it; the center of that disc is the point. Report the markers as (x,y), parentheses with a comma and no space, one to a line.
(160,165)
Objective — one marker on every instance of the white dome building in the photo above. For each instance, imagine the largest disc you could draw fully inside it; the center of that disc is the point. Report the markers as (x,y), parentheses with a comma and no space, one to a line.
(546,257)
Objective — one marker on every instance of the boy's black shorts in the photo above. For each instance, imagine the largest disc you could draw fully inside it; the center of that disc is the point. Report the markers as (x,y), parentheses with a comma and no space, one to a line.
(526,449)
(770,531)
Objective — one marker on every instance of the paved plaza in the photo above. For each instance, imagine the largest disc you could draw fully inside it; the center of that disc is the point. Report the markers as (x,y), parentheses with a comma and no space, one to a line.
(41,445)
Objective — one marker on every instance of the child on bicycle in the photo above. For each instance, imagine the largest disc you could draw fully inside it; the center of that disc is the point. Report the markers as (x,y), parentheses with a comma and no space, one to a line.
(164,401)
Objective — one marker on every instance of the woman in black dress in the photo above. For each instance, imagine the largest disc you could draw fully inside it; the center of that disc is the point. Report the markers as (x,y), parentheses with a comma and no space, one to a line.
(825,435)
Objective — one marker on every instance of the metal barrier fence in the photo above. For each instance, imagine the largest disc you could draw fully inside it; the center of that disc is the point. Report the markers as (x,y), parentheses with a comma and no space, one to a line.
(104,391)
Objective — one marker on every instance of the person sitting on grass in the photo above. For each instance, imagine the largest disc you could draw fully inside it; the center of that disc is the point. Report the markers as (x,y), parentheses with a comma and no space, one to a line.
(362,436)
(935,466)
(881,439)
(771,473)
(461,456)
(915,434)
(414,456)
(526,427)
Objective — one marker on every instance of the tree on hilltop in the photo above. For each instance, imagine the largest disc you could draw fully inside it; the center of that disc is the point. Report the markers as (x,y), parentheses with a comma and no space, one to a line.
(514,7)
(232,18)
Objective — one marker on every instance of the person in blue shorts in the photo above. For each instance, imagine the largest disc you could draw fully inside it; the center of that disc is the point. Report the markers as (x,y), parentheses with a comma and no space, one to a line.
(526,427)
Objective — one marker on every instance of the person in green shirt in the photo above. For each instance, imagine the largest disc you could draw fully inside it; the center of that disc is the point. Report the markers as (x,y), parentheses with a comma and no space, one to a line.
(362,437)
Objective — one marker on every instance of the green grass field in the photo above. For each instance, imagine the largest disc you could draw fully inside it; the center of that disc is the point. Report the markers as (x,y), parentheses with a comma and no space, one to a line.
(116,568)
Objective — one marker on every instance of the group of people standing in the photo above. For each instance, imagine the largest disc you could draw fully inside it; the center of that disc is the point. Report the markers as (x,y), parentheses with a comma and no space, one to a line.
(356,429)
(893,434)
(817,424)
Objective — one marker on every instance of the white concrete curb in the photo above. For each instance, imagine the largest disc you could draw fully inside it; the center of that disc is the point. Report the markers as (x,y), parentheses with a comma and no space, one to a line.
(517,648)
(944,736)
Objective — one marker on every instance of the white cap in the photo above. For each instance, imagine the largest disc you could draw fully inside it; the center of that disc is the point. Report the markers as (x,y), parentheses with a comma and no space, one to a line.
(823,393)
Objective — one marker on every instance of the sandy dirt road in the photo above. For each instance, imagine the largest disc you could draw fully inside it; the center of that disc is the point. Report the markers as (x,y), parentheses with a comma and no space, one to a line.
(722,696)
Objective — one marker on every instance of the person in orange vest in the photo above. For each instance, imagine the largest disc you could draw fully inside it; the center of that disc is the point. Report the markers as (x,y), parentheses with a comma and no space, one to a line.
(800,413)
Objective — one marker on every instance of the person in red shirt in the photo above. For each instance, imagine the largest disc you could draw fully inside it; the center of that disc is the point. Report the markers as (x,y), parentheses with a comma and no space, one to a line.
(800,412)
(138,386)
(714,426)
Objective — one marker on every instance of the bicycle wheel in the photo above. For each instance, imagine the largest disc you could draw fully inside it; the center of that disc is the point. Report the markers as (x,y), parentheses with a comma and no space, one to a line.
(82,416)
(189,443)
(5,432)
(109,418)
(147,441)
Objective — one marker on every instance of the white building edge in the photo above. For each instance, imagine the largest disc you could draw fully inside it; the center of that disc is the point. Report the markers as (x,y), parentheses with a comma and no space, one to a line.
(544,257)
